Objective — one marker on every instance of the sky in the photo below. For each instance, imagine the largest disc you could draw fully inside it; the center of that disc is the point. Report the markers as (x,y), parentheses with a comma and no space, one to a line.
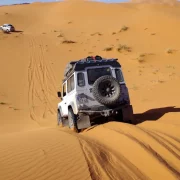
(8,2)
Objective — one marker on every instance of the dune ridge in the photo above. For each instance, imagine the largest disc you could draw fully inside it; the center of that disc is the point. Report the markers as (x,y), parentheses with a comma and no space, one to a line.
(144,37)
(154,1)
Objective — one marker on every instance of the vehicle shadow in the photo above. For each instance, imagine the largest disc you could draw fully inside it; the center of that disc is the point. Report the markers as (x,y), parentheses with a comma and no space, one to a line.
(154,114)
(16,31)
(5,32)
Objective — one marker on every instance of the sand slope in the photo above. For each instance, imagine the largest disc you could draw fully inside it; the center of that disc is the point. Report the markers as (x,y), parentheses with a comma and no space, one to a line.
(154,1)
(31,70)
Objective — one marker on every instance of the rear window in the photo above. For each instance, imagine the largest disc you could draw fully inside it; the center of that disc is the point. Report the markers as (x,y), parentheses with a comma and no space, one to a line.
(119,75)
(81,80)
(94,74)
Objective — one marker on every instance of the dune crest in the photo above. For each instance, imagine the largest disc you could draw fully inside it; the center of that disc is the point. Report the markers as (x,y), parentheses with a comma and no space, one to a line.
(155,1)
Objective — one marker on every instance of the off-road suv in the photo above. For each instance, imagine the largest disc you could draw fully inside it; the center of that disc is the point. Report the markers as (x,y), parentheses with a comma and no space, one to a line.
(7,28)
(92,88)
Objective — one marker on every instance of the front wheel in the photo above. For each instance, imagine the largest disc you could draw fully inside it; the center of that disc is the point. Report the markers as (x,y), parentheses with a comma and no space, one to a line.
(59,119)
(72,119)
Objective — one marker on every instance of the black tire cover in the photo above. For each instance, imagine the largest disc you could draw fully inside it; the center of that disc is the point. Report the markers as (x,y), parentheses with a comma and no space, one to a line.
(106,90)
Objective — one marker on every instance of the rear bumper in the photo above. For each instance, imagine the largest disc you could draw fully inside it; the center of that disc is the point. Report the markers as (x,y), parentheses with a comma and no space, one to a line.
(105,112)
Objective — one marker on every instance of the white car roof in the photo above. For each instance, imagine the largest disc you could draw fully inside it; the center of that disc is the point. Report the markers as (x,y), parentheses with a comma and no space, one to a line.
(7,24)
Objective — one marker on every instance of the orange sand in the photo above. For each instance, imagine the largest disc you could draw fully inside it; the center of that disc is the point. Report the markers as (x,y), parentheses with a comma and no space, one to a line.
(32,63)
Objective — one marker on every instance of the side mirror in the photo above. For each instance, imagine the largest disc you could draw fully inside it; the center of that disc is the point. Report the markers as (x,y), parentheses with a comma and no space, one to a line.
(59,94)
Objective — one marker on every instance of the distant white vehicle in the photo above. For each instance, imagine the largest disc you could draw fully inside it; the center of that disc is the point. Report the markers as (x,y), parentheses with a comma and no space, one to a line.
(7,28)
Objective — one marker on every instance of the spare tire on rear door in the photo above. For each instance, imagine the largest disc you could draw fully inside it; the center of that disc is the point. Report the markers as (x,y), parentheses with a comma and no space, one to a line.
(106,90)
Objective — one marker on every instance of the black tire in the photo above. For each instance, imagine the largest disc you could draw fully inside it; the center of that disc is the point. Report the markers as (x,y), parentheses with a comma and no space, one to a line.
(59,119)
(106,90)
(118,117)
(6,31)
(72,119)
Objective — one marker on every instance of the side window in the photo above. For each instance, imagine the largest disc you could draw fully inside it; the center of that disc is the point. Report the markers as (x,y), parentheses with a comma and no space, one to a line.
(119,75)
(64,89)
(80,79)
(70,84)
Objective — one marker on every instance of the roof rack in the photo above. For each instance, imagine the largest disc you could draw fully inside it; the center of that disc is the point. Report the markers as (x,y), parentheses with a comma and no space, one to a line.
(90,61)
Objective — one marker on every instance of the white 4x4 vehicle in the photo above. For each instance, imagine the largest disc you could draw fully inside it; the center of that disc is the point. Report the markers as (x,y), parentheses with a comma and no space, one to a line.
(93,87)
(7,28)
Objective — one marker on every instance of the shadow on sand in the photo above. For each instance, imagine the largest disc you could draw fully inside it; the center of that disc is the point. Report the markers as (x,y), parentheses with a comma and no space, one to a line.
(12,32)
(154,114)
(18,31)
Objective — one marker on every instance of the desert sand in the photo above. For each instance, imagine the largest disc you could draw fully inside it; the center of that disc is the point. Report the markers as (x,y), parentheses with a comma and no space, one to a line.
(32,62)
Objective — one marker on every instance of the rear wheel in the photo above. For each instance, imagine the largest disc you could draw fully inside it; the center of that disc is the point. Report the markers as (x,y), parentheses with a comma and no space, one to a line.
(120,118)
(72,119)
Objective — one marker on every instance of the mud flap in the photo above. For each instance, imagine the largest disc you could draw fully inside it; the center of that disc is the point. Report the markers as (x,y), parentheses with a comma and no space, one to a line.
(83,121)
(127,113)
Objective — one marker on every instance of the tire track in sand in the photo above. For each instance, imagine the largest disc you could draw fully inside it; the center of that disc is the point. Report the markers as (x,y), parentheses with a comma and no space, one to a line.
(162,141)
(152,151)
(106,164)
(168,141)
(41,80)
(31,75)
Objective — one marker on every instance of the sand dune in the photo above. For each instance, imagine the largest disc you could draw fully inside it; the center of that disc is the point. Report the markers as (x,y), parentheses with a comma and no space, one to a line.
(154,1)
(31,70)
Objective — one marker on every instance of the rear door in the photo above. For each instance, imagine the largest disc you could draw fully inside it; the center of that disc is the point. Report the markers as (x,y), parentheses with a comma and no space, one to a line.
(85,81)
